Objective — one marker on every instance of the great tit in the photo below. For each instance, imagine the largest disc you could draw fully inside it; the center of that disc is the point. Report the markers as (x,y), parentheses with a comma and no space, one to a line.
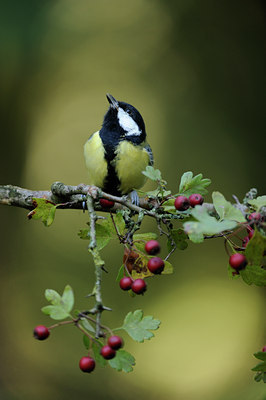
(116,155)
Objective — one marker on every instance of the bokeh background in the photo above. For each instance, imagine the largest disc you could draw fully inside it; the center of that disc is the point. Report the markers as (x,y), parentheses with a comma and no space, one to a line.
(195,70)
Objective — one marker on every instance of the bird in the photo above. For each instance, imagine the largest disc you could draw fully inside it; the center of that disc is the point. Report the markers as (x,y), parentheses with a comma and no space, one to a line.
(116,155)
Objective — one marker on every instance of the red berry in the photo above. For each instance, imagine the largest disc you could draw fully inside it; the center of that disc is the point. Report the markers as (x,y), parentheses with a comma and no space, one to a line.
(250,232)
(156,265)
(107,352)
(87,364)
(41,332)
(245,241)
(152,247)
(115,342)
(264,349)
(139,286)
(181,203)
(238,261)
(255,216)
(195,199)
(126,283)
(106,203)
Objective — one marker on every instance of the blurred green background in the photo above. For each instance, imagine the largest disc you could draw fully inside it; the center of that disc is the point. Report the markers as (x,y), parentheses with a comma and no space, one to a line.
(195,70)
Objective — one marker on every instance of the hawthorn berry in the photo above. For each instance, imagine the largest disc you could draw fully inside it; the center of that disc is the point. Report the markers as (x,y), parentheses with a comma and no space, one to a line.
(125,283)
(181,203)
(87,364)
(195,199)
(255,216)
(107,352)
(41,332)
(264,349)
(139,286)
(155,265)
(115,342)
(238,261)
(250,232)
(152,247)
(106,203)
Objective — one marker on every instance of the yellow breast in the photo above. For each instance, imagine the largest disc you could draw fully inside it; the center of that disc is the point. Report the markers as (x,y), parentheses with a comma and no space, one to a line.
(129,163)
(95,161)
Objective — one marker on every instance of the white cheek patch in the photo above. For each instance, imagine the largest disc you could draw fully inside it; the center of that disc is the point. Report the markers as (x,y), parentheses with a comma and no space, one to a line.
(127,123)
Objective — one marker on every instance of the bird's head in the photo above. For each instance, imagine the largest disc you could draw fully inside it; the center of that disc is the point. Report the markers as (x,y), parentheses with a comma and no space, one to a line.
(124,119)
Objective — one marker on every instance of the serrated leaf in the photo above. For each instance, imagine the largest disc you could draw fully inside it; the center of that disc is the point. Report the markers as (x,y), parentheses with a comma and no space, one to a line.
(96,347)
(205,224)
(257,203)
(179,237)
(61,305)
(55,312)
(68,298)
(189,184)
(52,296)
(260,355)
(256,248)
(123,361)
(225,209)
(254,274)
(140,239)
(152,173)
(45,210)
(103,234)
(139,327)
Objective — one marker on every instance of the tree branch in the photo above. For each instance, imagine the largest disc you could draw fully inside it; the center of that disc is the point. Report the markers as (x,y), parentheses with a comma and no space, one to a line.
(67,197)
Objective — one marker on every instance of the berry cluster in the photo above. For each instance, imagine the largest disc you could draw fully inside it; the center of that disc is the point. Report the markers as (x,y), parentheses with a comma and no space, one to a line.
(182,203)
(87,363)
(108,351)
(155,266)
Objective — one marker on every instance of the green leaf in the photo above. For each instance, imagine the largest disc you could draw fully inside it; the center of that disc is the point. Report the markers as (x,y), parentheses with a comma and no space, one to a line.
(61,305)
(44,210)
(260,355)
(119,222)
(85,323)
(103,234)
(96,347)
(120,273)
(256,248)
(257,203)
(232,272)
(52,296)
(153,174)
(205,224)
(225,209)
(139,327)
(141,238)
(55,312)
(68,298)
(189,184)
(86,342)
(254,274)
(179,237)
(123,361)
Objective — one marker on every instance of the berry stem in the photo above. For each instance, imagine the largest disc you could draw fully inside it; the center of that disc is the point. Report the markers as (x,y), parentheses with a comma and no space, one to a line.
(73,321)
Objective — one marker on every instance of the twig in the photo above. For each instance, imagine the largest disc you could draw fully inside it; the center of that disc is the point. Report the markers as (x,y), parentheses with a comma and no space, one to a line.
(99,266)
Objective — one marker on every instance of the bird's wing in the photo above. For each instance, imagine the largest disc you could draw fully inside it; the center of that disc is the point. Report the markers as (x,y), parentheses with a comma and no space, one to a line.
(149,151)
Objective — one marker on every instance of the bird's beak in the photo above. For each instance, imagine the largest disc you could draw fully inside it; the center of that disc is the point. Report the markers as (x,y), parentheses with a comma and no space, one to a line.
(113,102)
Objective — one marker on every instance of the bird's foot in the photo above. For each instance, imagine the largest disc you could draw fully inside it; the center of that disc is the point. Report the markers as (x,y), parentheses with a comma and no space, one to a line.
(134,197)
